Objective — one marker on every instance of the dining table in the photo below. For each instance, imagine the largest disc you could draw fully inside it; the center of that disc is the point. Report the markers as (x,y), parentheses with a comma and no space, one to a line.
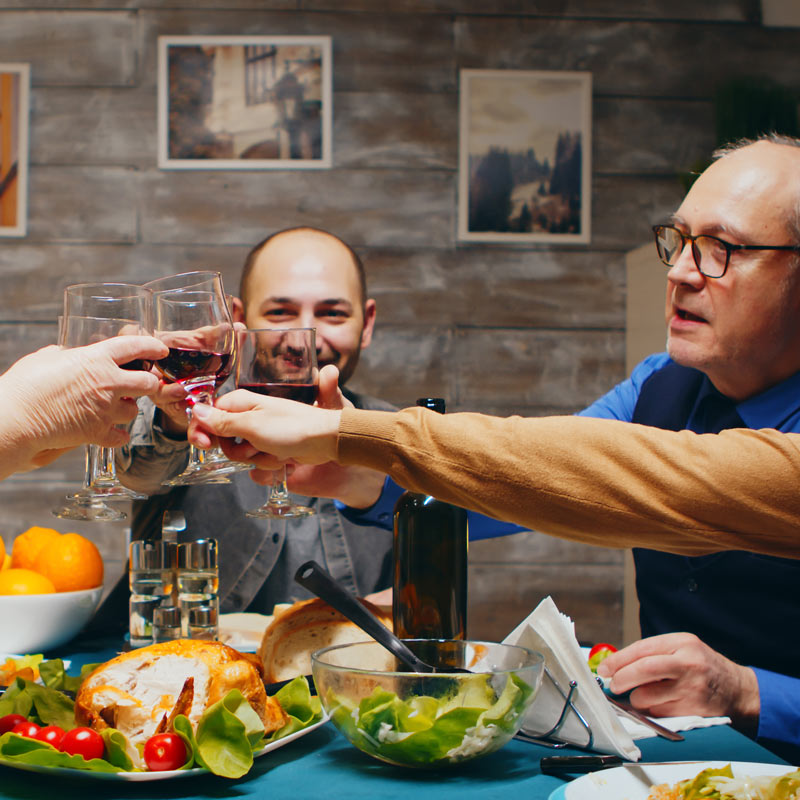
(323,764)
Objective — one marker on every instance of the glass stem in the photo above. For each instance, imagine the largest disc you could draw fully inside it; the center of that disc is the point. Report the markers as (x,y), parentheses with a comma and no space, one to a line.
(279,494)
(100,468)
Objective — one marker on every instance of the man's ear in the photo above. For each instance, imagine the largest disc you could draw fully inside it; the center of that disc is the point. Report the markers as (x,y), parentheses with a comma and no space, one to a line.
(237,310)
(369,323)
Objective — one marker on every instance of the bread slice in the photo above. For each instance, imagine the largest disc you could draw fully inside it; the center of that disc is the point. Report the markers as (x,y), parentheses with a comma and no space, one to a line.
(136,690)
(301,629)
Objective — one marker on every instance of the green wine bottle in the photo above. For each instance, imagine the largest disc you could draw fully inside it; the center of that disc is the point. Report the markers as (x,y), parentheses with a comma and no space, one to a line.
(429,598)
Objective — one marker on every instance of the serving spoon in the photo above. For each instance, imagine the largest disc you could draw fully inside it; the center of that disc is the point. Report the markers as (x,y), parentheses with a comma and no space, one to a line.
(320,582)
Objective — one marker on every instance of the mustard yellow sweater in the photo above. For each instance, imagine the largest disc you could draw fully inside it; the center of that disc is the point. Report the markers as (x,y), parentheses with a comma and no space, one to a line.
(597,481)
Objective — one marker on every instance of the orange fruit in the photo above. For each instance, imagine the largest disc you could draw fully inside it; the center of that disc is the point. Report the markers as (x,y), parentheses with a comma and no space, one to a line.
(7,562)
(27,546)
(24,581)
(71,562)
(2,552)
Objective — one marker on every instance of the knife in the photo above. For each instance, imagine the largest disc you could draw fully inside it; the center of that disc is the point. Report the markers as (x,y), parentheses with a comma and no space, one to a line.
(645,720)
(557,765)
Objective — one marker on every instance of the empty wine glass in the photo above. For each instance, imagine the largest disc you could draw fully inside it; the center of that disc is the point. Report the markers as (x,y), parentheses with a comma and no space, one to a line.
(279,362)
(100,483)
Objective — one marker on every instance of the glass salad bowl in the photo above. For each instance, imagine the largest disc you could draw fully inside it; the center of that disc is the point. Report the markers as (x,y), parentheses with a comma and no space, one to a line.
(427,719)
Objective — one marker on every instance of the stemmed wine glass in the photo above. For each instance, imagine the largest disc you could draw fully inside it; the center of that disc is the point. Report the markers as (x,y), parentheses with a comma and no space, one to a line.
(196,326)
(279,362)
(202,467)
(92,313)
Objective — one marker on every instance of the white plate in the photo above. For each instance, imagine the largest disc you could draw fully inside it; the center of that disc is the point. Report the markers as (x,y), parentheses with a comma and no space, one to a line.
(634,782)
(153,776)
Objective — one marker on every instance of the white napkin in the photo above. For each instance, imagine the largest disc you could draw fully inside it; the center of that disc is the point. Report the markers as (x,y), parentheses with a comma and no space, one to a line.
(552,633)
(639,731)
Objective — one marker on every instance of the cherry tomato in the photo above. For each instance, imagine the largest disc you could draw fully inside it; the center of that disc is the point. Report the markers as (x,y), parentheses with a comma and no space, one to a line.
(83,742)
(9,721)
(598,653)
(29,729)
(164,751)
(51,734)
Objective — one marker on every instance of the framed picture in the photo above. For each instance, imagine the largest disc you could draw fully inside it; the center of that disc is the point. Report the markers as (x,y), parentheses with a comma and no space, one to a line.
(14,109)
(244,102)
(525,156)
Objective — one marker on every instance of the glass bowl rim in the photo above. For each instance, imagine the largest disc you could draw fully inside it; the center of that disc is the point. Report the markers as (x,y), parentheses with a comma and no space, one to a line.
(537,660)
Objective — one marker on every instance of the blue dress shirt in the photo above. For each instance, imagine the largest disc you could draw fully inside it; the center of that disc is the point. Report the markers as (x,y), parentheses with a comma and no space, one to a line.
(779,408)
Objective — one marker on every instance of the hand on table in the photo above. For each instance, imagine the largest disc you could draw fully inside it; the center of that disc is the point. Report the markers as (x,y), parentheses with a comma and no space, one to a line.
(676,674)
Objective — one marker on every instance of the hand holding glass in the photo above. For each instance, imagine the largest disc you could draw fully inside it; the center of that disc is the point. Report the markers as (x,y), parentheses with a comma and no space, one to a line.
(279,362)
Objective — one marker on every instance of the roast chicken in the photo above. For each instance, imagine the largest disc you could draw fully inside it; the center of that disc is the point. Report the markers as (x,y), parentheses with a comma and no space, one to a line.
(140,692)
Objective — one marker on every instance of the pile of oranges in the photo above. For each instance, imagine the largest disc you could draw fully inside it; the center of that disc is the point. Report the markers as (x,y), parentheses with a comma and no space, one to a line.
(43,561)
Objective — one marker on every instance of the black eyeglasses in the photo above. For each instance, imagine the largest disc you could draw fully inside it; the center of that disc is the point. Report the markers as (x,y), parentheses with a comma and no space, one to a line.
(714,254)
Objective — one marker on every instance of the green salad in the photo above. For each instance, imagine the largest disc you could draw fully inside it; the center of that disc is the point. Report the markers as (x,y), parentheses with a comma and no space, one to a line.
(224,741)
(468,720)
(720,784)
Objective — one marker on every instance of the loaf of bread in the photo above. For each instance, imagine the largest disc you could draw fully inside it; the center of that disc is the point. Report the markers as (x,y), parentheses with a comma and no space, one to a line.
(141,691)
(309,625)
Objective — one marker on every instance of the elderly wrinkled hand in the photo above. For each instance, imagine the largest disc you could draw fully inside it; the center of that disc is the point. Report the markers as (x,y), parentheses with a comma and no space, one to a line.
(677,674)
(56,399)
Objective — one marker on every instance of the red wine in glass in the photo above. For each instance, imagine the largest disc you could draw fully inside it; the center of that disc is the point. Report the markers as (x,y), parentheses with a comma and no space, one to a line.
(300,392)
(183,364)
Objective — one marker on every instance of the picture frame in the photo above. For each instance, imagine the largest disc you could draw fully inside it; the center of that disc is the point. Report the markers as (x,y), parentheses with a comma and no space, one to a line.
(14,115)
(525,156)
(244,102)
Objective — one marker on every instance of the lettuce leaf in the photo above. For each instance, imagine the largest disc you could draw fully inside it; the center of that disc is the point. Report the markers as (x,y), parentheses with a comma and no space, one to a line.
(226,737)
(20,749)
(302,708)
(470,718)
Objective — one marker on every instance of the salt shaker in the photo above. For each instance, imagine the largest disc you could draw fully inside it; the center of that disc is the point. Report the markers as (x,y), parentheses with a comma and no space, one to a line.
(198,578)
(203,623)
(151,578)
(166,623)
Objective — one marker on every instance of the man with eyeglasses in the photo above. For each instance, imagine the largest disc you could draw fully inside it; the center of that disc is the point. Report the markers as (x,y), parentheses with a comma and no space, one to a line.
(732,361)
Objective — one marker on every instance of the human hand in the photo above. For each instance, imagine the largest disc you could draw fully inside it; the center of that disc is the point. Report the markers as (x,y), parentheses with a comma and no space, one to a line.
(56,399)
(269,430)
(677,674)
(170,399)
(357,487)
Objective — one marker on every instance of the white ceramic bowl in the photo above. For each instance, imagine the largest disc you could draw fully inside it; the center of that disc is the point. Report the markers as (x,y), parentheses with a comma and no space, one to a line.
(34,623)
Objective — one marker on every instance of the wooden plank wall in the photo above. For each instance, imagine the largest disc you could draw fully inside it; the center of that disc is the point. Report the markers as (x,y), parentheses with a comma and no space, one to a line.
(496,328)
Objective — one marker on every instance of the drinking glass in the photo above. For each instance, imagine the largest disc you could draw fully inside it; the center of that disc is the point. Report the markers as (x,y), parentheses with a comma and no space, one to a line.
(203,467)
(279,362)
(196,326)
(93,312)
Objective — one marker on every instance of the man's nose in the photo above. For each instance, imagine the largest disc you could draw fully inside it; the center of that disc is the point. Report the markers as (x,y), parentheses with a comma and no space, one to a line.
(685,270)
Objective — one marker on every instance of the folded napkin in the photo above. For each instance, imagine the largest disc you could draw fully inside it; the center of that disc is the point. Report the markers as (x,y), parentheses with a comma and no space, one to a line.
(639,731)
(552,633)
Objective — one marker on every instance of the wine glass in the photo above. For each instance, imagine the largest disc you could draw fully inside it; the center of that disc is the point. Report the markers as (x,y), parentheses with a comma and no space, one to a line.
(204,466)
(279,362)
(196,326)
(100,482)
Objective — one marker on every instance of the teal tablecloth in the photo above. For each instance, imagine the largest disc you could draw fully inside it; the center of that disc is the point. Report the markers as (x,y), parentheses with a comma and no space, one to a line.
(322,764)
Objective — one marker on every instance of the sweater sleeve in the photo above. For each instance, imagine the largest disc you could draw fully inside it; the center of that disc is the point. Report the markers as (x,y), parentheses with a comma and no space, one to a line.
(602,482)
